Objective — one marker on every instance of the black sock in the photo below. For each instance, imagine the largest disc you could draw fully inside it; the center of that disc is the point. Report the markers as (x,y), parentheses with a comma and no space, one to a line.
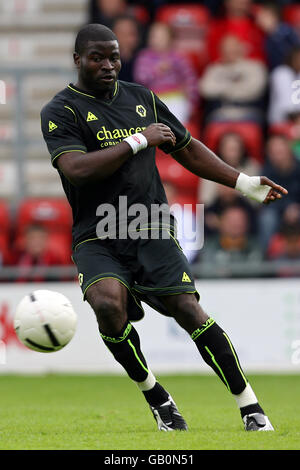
(156,396)
(217,351)
(247,410)
(125,348)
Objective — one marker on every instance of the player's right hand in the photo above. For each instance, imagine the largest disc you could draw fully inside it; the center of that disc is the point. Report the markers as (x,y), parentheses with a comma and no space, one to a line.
(158,133)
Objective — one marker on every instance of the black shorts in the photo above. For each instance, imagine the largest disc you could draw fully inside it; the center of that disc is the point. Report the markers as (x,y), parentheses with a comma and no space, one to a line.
(148,268)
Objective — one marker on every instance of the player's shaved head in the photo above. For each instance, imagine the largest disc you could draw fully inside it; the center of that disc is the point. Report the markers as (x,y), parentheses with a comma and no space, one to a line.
(92,32)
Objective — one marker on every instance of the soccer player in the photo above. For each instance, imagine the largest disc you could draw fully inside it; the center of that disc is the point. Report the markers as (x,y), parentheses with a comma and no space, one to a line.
(101,134)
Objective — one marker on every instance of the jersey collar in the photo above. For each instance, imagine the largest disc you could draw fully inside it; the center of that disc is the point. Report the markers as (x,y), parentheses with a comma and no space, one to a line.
(80,92)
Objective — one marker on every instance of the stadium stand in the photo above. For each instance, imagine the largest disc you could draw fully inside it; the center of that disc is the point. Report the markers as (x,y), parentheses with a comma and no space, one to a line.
(36,44)
(185,182)
(291,14)
(190,24)
(250,132)
(5,232)
(35,35)
(53,214)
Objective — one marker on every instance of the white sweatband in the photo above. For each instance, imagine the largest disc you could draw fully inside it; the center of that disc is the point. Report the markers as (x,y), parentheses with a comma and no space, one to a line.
(137,142)
(250,186)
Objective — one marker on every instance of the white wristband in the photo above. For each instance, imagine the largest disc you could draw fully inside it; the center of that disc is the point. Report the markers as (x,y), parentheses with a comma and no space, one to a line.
(137,142)
(250,186)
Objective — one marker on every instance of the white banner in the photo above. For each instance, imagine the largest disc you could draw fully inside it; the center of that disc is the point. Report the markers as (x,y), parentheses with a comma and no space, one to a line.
(262,318)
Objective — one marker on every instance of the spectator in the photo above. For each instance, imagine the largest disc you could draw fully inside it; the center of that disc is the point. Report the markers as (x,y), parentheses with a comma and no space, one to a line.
(234,87)
(285,250)
(281,166)
(127,31)
(167,73)
(290,219)
(291,243)
(213,6)
(282,105)
(233,243)
(226,198)
(36,253)
(5,256)
(236,21)
(231,149)
(280,37)
(105,11)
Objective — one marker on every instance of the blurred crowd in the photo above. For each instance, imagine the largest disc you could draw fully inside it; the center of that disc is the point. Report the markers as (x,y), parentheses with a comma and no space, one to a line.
(230,71)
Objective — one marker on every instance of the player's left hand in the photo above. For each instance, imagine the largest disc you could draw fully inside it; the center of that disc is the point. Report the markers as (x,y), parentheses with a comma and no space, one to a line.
(276,191)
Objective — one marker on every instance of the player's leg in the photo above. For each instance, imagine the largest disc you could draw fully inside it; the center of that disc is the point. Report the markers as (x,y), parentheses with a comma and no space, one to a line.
(108,299)
(218,352)
(165,272)
(109,294)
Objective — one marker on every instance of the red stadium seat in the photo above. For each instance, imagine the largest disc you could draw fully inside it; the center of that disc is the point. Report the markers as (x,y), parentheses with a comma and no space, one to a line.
(5,232)
(291,14)
(276,246)
(4,249)
(184,16)
(55,214)
(60,244)
(250,132)
(185,182)
(4,218)
(190,24)
(194,125)
(287,129)
(140,13)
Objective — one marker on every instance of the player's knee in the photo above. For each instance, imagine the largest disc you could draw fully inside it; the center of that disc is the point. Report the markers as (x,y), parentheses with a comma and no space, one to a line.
(187,312)
(110,314)
(183,305)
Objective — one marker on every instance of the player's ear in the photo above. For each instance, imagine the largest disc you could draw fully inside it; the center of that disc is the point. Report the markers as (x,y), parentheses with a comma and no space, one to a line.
(76,58)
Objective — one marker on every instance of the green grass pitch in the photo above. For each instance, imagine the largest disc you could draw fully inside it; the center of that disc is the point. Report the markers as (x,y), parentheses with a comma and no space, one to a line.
(109,413)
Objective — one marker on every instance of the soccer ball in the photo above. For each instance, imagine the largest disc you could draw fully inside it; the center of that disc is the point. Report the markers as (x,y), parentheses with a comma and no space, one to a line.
(45,321)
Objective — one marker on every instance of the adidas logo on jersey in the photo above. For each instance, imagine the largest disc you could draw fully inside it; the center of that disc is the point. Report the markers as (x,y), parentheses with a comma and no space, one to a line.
(91,117)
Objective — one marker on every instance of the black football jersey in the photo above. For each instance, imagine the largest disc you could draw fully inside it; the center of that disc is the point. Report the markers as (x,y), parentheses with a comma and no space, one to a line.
(75,121)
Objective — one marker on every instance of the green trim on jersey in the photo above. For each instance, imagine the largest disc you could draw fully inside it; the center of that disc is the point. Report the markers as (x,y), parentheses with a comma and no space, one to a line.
(96,279)
(184,143)
(154,105)
(105,276)
(72,111)
(80,92)
(183,147)
(67,148)
(91,96)
(67,151)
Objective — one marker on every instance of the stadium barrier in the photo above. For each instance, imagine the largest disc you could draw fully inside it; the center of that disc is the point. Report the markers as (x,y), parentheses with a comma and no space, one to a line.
(261,316)
(200,270)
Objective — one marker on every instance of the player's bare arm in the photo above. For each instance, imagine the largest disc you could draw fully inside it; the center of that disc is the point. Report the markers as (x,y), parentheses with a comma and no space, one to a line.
(81,169)
(201,161)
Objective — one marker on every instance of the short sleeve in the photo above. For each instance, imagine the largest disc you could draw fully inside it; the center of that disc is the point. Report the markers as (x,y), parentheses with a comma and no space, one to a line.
(61,131)
(164,115)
